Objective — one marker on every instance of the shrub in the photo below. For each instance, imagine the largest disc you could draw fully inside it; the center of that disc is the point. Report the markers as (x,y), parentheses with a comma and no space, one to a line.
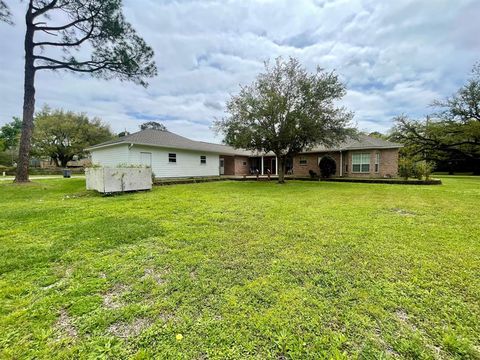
(424,169)
(327,167)
(416,173)
(406,168)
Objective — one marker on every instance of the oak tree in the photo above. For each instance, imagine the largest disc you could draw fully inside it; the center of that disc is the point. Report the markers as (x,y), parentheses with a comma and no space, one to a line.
(452,133)
(64,135)
(286,110)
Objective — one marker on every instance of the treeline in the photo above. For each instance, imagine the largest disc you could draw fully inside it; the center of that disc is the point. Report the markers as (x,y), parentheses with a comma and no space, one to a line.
(59,135)
(449,137)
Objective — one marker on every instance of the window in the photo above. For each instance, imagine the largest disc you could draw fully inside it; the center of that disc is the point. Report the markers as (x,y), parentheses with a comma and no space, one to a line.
(377,161)
(361,163)
(346,168)
(172,158)
(203,159)
(303,161)
(244,163)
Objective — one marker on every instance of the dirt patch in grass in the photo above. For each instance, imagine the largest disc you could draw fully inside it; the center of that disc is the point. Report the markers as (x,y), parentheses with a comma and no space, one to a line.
(125,330)
(65,325)
(403,212)
(112,299)
(157,276)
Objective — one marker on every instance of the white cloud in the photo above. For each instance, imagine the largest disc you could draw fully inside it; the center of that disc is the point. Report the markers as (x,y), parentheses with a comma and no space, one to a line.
(396,57)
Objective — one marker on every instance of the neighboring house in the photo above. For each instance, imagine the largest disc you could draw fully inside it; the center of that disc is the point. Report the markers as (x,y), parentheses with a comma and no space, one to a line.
(171,155)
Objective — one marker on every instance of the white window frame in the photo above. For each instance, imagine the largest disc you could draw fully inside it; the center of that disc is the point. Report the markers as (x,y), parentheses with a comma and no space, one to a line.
(203,159)
(172,158)
(363,161)
(377,162)
(303,161)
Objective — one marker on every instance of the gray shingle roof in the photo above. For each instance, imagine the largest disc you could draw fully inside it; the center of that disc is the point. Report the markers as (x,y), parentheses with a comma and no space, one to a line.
(167,139)
(360,142)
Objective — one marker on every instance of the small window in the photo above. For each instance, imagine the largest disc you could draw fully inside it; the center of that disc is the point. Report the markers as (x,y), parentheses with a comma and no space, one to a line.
(172,158)
(361,163)
(303,161)
(203,159)
(377,162)
(244,163)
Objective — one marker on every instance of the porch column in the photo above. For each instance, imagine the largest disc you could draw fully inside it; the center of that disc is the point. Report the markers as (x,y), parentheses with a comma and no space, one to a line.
(341,164)
(276,165)
(262,166)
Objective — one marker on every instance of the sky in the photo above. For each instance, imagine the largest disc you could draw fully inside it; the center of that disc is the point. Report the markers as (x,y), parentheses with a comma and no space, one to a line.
(395,57)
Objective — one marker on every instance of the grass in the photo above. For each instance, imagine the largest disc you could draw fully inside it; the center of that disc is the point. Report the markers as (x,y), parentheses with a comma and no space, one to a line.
(236,270)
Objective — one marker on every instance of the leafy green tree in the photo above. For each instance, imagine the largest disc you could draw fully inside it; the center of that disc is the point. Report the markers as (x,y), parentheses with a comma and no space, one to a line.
(153,125)
(10,133)
(452,133)
(9,138)
(110,49)
(378,135)
(286,110)
(63,135)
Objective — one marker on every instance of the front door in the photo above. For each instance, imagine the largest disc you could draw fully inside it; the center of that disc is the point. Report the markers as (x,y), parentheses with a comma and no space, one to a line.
(222,166)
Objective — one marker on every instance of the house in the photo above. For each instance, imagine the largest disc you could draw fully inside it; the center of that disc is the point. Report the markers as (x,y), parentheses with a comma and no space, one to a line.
(172,155)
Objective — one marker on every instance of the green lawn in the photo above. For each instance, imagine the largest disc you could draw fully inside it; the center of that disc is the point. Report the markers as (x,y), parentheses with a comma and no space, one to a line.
(241,270)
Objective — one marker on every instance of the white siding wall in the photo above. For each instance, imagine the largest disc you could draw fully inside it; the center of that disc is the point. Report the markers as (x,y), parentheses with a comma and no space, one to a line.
(187,165)
(111,156)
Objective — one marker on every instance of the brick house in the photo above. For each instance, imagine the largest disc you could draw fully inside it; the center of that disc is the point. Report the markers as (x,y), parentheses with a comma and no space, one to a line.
(172,155)
(364,156)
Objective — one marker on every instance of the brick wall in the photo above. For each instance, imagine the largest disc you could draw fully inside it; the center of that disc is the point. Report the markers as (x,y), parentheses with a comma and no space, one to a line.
(311,164)
(388,163)
(229,165)
(312,161)
(242,165)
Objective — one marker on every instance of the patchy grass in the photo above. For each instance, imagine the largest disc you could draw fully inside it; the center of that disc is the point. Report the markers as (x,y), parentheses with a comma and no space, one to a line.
(241,270)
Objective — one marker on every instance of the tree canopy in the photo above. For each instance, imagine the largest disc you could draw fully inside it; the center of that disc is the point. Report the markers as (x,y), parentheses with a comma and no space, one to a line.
(62,135)
(286,110)
(10,133)
(116,49)
(452,133)
(153,125)
(56,31)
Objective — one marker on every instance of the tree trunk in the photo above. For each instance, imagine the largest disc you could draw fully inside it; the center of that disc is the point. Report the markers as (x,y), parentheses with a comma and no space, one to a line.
(64,161)
(281,169)
(28,103)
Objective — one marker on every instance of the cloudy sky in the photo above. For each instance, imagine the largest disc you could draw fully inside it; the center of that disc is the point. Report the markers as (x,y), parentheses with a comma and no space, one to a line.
(395,57)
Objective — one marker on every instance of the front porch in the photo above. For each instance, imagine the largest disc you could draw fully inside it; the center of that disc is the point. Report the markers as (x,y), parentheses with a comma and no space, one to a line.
(251,166)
